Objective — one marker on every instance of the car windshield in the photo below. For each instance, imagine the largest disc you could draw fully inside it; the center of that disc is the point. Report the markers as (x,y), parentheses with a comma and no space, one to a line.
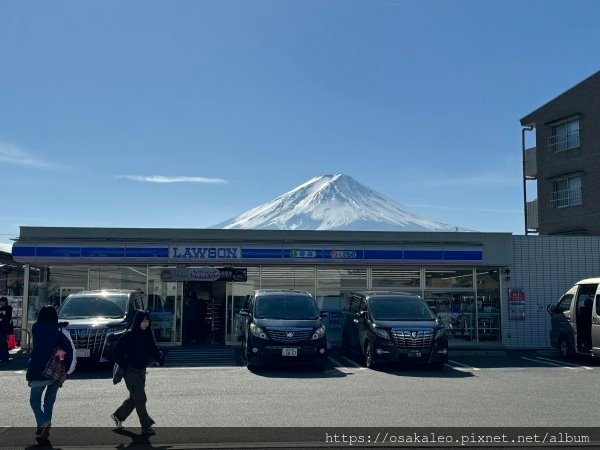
(394,308)
(285,307)
(87,306)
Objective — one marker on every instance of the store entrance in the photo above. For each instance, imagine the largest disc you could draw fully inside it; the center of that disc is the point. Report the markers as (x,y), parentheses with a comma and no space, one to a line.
(203,312)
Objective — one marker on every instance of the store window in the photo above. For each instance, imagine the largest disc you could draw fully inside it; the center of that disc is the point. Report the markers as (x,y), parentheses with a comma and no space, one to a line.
(38,292)
(241,294)
(64,281)
(395,278)
(488,305)
(333,281)
(456,311)
(300,278)
(449,278)
(118,277)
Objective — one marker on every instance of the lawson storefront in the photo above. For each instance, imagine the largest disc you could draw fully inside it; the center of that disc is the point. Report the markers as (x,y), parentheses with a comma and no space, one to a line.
(195,281)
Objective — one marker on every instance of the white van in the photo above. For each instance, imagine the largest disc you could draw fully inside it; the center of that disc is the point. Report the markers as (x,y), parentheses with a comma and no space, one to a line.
(576,320)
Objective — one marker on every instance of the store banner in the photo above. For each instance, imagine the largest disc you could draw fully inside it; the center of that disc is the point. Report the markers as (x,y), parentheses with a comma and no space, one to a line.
(204,274)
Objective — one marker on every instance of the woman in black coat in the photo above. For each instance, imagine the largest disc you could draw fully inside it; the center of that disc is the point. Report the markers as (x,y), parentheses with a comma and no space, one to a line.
(134,352)
(47,335)
(5,326)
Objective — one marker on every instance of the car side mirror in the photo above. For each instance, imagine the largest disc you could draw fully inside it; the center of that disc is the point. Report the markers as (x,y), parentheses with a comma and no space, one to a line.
(244,312)
(363,314)
(323,314)
(551,309)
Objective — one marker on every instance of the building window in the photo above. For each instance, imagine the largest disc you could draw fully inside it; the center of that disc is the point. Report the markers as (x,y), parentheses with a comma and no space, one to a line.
(564,136)
(566,192)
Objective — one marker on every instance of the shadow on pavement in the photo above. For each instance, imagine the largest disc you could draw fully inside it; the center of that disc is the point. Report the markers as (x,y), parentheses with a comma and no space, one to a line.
(410,370)
(297,371)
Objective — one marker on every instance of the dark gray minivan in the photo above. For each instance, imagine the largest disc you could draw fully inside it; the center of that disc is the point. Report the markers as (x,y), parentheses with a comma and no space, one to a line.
(393,326)
(283,326)
(97,319)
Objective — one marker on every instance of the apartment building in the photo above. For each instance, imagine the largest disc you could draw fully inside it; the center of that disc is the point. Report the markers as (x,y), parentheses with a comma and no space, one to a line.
(563,168)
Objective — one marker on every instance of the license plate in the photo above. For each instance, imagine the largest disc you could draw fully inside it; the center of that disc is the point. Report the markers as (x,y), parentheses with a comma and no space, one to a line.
(289,352)
(414,354)
(82,352)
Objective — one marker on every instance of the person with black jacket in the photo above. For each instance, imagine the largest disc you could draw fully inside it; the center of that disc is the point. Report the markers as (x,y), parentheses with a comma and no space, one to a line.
(47,336)
(5,325)
(133,353)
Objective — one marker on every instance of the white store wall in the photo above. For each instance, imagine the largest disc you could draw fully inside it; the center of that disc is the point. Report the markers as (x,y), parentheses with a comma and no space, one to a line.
(544,267)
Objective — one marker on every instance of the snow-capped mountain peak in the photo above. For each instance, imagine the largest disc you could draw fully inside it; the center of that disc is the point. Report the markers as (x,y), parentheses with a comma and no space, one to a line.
(334,202)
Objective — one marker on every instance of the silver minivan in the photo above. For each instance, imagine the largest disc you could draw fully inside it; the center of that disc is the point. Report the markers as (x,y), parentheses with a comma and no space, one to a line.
(576,320)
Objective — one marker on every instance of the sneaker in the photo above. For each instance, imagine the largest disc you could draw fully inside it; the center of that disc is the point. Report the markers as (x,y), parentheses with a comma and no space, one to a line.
(118,423)
(45,433)
(148,431)
(38,433)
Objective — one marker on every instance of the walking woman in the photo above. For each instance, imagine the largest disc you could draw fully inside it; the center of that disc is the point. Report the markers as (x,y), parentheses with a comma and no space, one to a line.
(47,336)
(134,352)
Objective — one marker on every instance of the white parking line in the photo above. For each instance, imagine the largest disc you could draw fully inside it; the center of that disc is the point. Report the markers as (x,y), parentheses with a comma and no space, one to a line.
(546,362)
(462,365)
(563,362)
(196,368)
(347,361)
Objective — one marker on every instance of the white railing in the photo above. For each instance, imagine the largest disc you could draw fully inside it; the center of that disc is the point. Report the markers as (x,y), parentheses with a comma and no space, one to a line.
(562,143)
(569,197)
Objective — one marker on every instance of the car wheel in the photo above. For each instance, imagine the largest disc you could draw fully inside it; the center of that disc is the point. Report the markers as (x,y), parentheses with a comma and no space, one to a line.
(438,365)
(321,365)
(368,356)
(248,359)
(564,347)
(251,362)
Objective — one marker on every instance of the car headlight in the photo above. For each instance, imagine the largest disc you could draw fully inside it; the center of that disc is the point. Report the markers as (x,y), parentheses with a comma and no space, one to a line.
(440,333)
(384,334)
(257,331)
(319,333)
(117,331)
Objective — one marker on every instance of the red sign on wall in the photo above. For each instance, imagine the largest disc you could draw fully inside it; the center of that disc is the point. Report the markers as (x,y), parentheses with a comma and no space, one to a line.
(516,296)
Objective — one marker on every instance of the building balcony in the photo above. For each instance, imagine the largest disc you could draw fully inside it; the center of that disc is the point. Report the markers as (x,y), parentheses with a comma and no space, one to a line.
(530,164)
(532,215)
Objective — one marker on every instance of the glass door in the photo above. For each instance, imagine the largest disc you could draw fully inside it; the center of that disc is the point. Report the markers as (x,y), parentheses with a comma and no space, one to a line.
(237,294)
(165,304)
(229,313)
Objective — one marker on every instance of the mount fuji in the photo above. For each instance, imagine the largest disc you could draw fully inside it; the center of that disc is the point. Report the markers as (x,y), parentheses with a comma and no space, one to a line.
(335,202)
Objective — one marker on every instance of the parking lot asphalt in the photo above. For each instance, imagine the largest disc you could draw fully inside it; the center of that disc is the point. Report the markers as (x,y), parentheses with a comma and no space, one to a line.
(510,389)
(211,356)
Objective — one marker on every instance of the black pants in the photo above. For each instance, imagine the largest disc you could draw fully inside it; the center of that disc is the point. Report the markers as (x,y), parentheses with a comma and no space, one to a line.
(3,345)
(135,380)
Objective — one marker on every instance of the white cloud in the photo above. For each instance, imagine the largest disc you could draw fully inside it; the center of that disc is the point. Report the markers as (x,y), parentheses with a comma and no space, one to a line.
(5,247)
(163,179)
(13,155)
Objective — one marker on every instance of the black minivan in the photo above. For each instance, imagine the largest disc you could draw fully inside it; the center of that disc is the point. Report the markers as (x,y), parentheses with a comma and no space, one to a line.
(97,319)
(283,326)
(393,326)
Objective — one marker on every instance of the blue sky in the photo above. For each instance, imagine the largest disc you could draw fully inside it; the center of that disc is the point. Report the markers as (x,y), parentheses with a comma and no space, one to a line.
(241,101)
